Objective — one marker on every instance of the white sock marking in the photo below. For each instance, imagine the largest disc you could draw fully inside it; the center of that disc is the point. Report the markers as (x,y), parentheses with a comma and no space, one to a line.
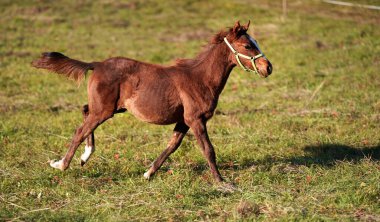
(88,150)
(56,164)
(147,174)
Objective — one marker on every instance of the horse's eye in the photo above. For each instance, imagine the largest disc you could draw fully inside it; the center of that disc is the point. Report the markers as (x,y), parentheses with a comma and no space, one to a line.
(248,46)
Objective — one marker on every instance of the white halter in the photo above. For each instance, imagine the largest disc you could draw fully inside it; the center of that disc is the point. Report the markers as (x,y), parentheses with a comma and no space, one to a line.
(252,58)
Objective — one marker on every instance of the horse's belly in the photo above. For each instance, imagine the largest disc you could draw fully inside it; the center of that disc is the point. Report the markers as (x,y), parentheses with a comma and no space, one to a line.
(156,112)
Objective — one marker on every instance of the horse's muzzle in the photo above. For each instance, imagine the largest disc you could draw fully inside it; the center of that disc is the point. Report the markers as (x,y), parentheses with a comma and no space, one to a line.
(265,68)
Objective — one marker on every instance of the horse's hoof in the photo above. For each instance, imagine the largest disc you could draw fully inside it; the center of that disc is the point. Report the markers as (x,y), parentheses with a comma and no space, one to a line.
(82,163)
(147,175)
(57,164)
(225,187)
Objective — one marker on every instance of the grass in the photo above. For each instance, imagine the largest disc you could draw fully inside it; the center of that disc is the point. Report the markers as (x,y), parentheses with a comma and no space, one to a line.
(300,145)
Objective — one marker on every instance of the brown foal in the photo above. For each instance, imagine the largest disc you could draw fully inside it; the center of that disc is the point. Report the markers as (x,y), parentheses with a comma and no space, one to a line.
(185,93)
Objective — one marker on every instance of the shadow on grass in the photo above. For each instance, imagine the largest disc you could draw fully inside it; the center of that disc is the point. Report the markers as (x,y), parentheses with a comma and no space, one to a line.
(329,154)
(326,155)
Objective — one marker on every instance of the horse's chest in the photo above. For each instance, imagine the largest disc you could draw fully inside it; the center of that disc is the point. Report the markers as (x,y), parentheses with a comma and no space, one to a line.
(199,104)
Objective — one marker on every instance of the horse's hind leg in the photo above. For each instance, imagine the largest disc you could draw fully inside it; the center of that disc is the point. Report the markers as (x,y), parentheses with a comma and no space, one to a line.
(180,131)
(89,125)
(90,140)
(101,107)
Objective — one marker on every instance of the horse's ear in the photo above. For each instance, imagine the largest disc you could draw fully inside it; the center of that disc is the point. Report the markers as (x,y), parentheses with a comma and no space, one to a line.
(247,25)
(236,27)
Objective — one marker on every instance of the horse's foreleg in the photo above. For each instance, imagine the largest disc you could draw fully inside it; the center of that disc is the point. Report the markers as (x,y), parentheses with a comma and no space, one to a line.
(90,140)
(89,125)
(200,132)
(180,131)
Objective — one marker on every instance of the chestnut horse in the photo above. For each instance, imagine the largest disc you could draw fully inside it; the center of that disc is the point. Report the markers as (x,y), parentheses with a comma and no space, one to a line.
(185,93)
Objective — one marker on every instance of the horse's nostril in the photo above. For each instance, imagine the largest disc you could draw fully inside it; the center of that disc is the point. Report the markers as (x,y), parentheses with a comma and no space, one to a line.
(269,70)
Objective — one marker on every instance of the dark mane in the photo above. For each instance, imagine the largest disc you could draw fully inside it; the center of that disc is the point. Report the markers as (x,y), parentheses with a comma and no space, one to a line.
(197,60)
(219,37)
(216,39)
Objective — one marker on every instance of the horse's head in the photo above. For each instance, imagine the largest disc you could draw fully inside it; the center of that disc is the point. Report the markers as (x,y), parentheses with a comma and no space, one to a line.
(245,51)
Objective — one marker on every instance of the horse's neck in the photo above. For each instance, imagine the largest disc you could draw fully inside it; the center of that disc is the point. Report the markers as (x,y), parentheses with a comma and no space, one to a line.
(215,70)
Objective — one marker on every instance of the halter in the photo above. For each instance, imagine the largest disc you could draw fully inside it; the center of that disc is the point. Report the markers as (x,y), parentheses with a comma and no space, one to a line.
(252,58)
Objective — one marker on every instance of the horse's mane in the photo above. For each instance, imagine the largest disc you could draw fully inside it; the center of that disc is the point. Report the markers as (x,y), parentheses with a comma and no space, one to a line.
(216,39)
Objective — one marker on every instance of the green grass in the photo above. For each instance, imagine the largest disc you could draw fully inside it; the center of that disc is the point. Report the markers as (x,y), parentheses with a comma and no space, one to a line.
(303,144)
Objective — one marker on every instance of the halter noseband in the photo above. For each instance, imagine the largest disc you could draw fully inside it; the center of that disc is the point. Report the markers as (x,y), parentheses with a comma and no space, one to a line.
(238,54)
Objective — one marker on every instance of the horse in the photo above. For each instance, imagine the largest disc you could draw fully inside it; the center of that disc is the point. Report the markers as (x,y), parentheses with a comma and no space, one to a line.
(185,93)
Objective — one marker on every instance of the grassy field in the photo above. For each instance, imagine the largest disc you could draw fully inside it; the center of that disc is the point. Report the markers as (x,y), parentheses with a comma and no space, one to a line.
(303,144)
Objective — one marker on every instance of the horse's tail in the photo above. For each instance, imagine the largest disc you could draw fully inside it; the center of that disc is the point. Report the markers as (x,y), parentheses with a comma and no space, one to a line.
(61,64)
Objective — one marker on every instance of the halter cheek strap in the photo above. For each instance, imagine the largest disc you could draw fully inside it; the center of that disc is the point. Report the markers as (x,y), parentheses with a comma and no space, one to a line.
(238,55)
